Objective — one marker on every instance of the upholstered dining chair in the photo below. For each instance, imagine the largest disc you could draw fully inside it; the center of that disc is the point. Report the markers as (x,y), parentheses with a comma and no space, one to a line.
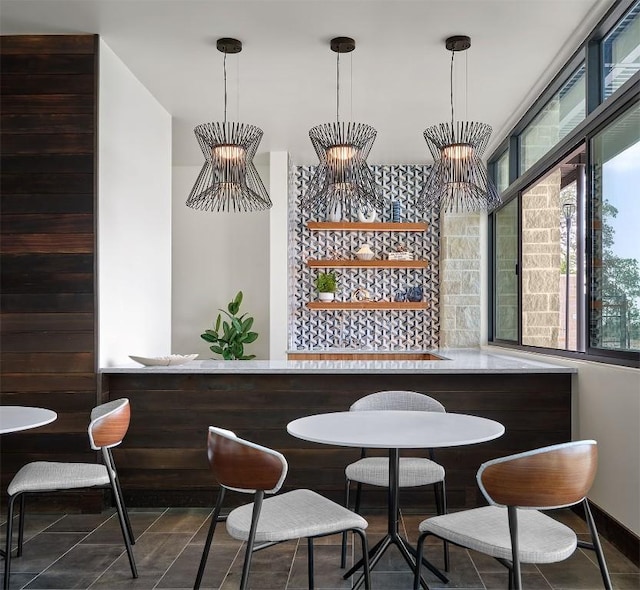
(414,471)
(512,529)
(108,426)
(249,468)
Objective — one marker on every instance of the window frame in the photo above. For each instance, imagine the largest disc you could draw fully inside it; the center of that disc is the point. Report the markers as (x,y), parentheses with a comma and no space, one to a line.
(599,114)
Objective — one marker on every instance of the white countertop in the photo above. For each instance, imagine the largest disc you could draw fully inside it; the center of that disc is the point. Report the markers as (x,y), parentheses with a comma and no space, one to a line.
(473,360)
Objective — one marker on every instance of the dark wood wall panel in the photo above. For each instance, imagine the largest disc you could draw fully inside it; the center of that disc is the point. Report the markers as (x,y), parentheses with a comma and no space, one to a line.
(163,458)
(47,245)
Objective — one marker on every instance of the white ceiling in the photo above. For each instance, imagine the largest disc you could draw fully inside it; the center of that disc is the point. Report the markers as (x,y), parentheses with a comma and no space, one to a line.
(400,68)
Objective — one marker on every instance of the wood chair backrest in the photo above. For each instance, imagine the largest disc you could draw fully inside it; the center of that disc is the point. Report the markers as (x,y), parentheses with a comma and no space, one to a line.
(397,400)
(243,466)
(550,477)
(109,424)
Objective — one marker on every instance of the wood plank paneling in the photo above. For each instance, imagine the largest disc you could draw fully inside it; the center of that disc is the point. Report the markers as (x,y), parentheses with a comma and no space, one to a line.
(49,103)
(51,164)
(48,223)
(18,84)
(50,302)
(47,123)
(41,45)
(46,183)
(60,63)
(69,203)
(164,454)
(47,362)
(47,241)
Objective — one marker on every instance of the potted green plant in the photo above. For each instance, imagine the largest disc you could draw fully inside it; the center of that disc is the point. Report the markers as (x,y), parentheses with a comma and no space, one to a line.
(326,286)
(236,332)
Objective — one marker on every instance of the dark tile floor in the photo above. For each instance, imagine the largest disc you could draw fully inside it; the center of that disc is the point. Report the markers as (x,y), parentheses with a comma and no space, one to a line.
(64,551)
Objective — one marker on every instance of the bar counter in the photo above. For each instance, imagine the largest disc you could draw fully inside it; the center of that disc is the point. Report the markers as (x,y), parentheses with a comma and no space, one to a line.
(451,361)
(163,459)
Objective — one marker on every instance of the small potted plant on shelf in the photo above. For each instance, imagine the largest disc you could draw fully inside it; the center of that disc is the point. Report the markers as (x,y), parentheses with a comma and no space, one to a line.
(326,286)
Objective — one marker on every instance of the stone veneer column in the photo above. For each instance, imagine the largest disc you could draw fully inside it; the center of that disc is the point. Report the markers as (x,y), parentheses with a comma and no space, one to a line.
(541,263)
(460,280)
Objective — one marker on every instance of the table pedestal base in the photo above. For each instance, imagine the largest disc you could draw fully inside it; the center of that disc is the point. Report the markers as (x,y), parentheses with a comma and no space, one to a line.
(392,536)
(406,550)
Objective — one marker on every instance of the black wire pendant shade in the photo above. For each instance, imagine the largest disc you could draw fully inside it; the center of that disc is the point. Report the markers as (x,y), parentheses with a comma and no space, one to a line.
(458,180)
(343,181)
(228,180)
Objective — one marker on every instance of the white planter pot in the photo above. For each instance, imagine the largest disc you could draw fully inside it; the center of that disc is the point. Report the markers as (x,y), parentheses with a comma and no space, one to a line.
(325,296)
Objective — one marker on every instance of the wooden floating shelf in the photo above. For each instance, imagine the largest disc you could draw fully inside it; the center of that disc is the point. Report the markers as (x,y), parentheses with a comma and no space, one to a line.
(363,226)
(368,305)
(344,263)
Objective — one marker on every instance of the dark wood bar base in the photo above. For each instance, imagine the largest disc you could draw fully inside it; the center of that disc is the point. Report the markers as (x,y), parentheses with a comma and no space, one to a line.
(163,459)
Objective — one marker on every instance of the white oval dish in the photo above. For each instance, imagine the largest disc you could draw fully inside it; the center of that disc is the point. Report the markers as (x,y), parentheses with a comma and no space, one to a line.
(163,361)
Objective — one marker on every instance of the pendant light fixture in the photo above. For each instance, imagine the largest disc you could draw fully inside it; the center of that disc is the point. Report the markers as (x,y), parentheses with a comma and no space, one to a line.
(228,180)
(343,181)
(458,180)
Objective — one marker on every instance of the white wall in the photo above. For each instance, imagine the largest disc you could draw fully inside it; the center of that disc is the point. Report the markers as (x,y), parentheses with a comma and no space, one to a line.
(279,244)
(215,255)
(607,410)
(134,217)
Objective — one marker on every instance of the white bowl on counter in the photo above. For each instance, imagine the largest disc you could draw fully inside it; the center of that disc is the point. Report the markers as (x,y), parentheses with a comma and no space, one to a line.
(164,361)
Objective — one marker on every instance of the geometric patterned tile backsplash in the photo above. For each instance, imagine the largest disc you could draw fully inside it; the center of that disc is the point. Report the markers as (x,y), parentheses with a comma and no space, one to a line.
(364,329)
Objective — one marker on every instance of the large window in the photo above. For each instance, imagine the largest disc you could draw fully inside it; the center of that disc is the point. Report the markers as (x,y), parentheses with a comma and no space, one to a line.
(615,283)
(558,118)
(621,52)
(552,279)
(506,272)
(502,172)
(565,265)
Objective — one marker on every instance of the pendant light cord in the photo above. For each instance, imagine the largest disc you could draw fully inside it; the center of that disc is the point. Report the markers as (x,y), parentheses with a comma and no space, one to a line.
(451,81)
(338,87)
(224,68)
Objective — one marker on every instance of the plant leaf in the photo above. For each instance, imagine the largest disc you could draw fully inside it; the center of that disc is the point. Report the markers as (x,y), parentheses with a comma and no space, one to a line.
(218,322)
(250,337)
(246,325)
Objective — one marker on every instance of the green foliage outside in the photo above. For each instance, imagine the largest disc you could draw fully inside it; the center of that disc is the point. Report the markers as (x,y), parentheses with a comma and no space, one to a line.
(236,332)
(620,286)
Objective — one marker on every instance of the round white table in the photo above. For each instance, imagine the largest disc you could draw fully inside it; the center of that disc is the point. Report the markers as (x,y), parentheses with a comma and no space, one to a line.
(16,418)
(395,430)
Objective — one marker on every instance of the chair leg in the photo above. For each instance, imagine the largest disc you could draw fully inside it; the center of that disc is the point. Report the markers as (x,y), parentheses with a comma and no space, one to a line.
(443,505)
(207,544)
(597,547)
(132,538)
(343,554)
(366,568)
(356,508)
(515,550)
(21,524)
(419,548)
(121,517)
(257,505)
(8,543)
(310,562)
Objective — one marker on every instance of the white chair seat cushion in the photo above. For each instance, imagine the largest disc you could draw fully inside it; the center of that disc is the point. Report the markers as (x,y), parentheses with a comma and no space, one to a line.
(541,539)
(42,476)
(414,471)
(293,515)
